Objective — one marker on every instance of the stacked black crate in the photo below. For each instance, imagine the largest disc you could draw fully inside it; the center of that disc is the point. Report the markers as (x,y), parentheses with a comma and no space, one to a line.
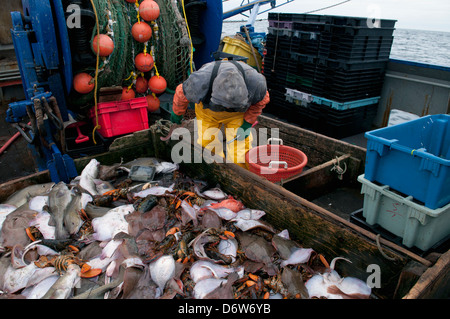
(342,59)
(290,62)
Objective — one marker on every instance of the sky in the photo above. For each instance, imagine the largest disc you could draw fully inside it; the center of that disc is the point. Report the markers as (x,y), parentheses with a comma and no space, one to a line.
(433,15)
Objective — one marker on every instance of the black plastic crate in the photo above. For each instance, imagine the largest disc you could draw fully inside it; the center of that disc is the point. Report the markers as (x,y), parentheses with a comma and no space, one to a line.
(87,148)
(343,64)
(276,79)
(323,119)
(330,19)
(300,17)
(358,31)
(311,27)
(342,97)
(362,22)
(280,24)
(219,55)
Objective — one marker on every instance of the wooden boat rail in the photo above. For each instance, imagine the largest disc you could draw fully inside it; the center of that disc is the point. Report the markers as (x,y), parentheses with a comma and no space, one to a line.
(404,274)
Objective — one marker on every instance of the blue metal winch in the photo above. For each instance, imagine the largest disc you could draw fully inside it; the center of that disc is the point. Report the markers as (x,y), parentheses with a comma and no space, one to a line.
(43,54)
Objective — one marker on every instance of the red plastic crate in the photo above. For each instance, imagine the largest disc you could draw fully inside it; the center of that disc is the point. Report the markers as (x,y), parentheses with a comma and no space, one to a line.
(121,117)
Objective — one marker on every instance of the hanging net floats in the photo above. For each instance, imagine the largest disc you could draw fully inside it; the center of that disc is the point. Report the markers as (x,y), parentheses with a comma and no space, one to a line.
(135,39)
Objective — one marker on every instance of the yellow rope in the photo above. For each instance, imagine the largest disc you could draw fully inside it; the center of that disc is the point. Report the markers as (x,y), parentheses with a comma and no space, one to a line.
(96,74)
(154,65)
(190,40)
(137,9)
(131,75)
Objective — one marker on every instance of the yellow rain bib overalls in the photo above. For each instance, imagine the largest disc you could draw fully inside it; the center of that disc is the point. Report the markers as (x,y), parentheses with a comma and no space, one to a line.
(225,93)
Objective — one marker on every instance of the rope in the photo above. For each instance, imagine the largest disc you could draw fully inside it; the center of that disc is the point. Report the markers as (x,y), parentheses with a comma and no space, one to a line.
(328,7)
(339,170)
(96,76)
(381,249)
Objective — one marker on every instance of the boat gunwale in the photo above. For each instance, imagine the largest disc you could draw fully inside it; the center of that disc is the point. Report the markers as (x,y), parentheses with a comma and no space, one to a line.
(147,136)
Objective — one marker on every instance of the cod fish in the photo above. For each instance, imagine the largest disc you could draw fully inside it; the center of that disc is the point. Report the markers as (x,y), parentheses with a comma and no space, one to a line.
(88,176)
(22,197)
(62,288)
(59,201)
(73,221)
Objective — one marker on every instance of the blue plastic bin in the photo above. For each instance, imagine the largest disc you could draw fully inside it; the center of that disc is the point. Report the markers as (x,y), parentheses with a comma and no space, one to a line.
(413,158)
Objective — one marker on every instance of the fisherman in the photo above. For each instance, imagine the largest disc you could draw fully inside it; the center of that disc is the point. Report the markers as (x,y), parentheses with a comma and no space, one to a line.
(225,92)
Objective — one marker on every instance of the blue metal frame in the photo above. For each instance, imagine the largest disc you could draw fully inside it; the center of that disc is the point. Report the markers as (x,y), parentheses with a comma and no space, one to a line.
(42,49)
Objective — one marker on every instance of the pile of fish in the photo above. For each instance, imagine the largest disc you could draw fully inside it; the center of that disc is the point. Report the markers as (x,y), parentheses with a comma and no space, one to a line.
(105,235)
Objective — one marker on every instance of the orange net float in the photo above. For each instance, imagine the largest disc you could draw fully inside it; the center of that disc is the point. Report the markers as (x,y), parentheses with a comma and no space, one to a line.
(141,31)
(104,43)
(153,103)
(83,83)
(149,10)
(141,85)
(144,62)
(127,94)
(157,84)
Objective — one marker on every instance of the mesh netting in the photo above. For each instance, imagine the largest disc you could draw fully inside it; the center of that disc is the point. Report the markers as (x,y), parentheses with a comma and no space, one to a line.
(173,46)
(170,43)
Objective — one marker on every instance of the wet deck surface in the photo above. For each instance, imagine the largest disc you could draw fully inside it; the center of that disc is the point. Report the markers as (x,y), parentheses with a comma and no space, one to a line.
(341,201)
(16,161)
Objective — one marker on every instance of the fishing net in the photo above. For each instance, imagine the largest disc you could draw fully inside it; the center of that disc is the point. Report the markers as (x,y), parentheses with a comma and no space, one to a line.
(173,45)
(116,17)
(169,44)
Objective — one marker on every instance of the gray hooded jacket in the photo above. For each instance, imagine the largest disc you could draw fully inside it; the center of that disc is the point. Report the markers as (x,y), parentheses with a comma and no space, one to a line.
(230,90)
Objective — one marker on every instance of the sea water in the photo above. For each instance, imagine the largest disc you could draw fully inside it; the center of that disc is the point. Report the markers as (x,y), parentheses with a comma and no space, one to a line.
(429,47)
